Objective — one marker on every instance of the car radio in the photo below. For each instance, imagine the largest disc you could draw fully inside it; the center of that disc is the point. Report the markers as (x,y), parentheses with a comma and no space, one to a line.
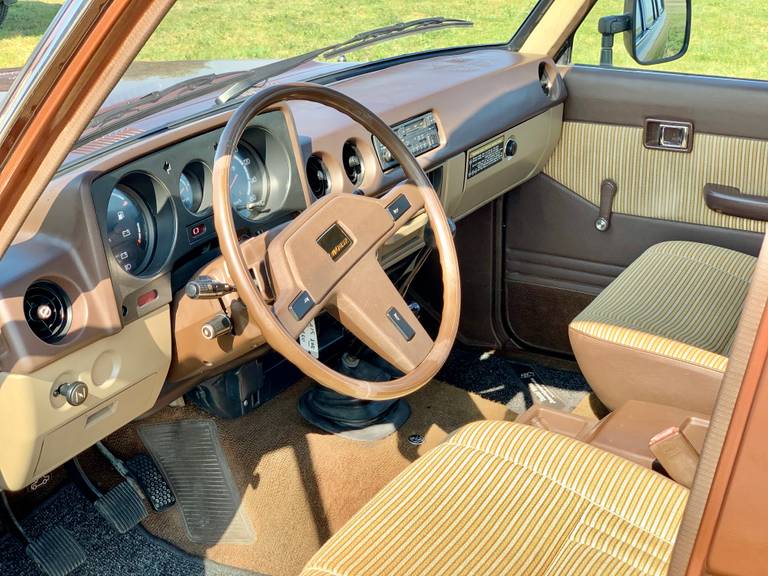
(419,135)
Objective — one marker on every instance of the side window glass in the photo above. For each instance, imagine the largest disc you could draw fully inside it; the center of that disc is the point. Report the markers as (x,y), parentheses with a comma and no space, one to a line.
(727,38)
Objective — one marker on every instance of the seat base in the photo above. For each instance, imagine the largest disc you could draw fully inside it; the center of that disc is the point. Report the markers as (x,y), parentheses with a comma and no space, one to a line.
(505,498)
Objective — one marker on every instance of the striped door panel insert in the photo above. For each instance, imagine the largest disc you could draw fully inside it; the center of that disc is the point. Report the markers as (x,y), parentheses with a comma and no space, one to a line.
(656,183)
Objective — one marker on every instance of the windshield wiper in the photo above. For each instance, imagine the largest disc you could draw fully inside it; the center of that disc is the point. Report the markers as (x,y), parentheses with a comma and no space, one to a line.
(194,87)
(357,42)
(185,86)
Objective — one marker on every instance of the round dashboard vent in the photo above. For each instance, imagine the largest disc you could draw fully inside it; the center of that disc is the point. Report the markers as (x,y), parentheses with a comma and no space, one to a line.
(353,163)
(47,310)
(317,177)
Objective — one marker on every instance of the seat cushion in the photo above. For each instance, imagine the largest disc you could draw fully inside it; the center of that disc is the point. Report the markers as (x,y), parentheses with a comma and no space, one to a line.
(662,331)
(506,498)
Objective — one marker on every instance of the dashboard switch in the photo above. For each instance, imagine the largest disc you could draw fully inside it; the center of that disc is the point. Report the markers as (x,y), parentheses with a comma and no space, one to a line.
(398,207)
(217,326)
(301,305)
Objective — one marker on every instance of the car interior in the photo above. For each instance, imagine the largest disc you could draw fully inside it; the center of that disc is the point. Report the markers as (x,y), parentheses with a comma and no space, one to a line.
(471,311)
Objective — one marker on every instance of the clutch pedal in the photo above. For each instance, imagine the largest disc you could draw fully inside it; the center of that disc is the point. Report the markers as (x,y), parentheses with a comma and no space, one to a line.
(55,552)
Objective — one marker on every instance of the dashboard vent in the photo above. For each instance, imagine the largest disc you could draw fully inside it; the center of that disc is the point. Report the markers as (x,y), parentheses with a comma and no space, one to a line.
(353,163)
(545,81)
(317,177)
(47,311)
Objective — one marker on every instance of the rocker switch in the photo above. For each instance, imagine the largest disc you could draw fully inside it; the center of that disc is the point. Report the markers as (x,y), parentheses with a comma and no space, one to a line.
(301,305)
(397,319)
(398,207)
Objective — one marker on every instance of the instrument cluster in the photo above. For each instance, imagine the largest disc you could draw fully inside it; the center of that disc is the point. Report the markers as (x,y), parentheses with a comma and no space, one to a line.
(156,212)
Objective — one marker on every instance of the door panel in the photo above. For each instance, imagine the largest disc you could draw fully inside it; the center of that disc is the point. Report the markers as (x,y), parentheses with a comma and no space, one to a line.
(556,261)
(659,183)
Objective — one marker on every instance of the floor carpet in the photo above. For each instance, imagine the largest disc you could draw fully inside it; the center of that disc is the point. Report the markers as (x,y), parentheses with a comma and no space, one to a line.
(299,485)
(496,378)
(136,553)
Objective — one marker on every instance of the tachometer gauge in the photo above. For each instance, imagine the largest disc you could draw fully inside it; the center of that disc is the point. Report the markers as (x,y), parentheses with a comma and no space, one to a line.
(190,190)
(248,184)
(129,230)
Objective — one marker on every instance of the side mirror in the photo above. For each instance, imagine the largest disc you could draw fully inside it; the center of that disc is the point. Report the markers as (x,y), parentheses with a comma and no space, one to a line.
(659,30)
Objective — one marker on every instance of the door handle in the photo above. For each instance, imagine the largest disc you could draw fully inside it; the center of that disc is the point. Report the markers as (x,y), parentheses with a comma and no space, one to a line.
(672,135)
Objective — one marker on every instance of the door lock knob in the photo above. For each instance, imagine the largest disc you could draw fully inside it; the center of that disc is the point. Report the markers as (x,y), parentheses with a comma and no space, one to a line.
(75,393)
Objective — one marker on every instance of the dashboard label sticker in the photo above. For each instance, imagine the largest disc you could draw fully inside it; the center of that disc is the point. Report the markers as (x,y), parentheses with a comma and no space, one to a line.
(485,156)
(308,339)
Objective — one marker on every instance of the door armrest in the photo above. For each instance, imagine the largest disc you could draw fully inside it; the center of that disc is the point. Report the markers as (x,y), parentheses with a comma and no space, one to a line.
(729,200)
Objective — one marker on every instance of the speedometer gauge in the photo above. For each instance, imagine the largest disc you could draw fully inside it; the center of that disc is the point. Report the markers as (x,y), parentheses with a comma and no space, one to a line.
(248,184)
(190,190)
(129,230)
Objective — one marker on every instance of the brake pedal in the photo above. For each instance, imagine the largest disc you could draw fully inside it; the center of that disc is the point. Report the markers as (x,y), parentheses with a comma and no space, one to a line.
(55,552)
(151,481)
(122,507)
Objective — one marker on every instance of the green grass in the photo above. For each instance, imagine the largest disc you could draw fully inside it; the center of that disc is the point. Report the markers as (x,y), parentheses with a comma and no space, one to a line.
(729,36)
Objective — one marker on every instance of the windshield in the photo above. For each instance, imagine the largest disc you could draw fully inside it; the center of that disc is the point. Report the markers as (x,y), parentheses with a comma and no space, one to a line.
(202,45)
(247,29)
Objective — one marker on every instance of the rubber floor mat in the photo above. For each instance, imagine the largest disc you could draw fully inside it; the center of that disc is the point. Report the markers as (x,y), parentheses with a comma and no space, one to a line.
(189,455)
(517,385)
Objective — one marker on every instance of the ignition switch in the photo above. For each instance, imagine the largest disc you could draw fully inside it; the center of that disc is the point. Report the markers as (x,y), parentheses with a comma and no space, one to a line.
(217,326)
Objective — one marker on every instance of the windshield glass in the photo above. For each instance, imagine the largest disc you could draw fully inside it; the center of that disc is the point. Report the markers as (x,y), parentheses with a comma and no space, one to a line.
(248,29)
(201,45)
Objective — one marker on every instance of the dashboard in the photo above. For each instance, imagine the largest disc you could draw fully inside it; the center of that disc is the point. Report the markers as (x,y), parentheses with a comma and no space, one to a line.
(92,292)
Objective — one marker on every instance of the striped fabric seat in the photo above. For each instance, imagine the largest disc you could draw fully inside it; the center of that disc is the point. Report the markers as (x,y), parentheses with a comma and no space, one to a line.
(505,498)
(666,322)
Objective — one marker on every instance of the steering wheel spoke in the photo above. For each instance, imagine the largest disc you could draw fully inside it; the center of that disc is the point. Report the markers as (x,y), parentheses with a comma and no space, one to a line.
(368,305)
(402,202)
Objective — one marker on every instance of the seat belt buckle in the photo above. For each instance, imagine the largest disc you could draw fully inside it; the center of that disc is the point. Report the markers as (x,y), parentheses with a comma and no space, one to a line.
(675,454)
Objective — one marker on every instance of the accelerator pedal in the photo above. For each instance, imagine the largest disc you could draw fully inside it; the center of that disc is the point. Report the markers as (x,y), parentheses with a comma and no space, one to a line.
(122,507)
(56,552)
(151,481)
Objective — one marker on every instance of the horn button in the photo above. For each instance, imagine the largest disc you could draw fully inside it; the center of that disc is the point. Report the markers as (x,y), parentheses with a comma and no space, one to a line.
(325,247)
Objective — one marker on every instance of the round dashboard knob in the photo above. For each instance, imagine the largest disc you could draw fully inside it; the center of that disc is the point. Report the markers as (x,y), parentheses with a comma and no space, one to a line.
(75,393)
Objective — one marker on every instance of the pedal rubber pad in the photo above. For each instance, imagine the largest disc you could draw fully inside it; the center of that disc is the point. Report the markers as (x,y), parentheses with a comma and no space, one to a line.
(155,488)
(56,552)
(122,507)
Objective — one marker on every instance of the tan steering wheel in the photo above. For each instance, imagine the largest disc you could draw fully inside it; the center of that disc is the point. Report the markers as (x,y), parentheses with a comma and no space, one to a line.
(326,259)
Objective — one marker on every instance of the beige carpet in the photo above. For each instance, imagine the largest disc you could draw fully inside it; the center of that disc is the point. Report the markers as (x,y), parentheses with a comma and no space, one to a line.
(300,485)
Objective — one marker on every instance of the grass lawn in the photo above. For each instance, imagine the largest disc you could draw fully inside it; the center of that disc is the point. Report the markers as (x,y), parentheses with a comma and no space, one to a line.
(728,35)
